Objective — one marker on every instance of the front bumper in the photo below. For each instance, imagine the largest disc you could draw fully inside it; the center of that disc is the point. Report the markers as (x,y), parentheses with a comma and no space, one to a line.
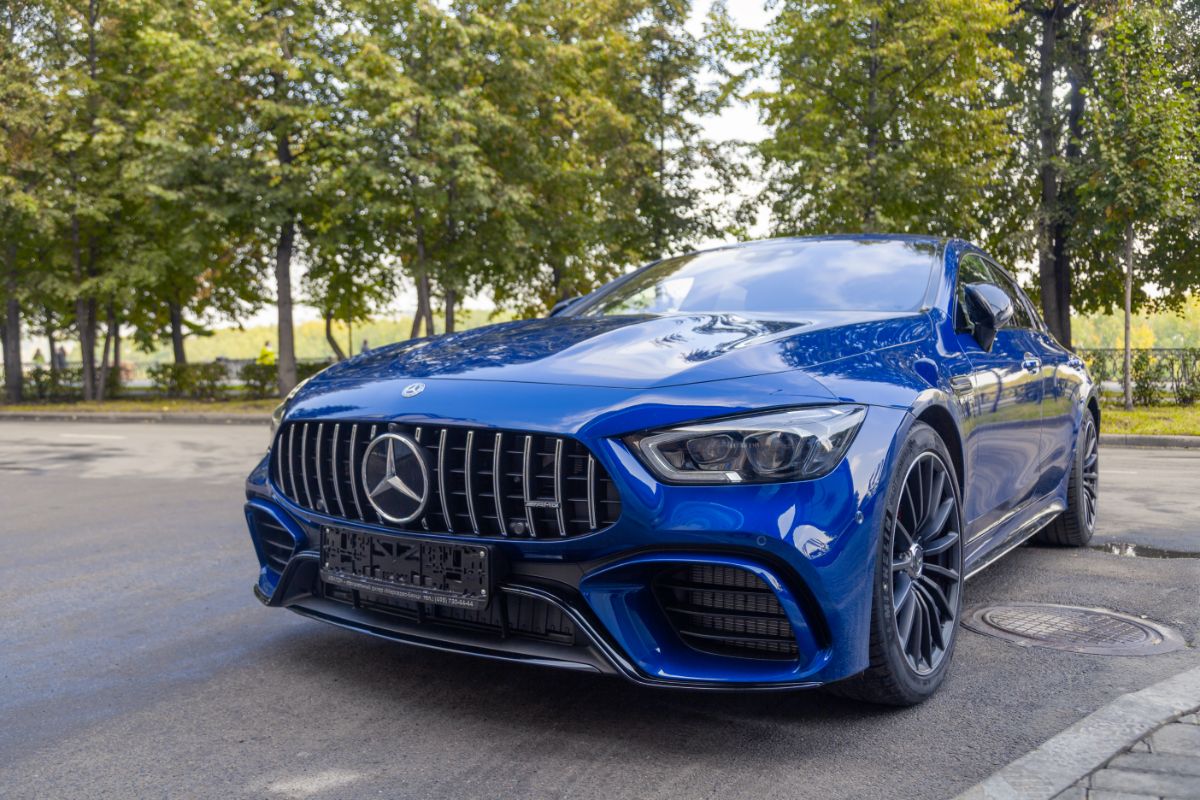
(812,543)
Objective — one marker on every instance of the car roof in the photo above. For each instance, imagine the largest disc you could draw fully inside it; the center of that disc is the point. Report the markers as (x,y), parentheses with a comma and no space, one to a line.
(833,237)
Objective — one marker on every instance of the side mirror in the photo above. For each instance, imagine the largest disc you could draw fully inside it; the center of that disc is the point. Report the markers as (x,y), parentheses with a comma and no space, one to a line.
(563,305)
(988,309)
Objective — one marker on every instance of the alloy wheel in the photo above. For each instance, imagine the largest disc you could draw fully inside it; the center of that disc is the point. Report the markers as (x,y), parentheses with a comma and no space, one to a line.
(926,563)
(1090,443)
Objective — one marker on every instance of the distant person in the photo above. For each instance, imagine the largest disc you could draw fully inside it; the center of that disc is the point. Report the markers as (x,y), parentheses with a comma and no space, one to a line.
(266,356)
(39,360)
(61,357)
(365,347)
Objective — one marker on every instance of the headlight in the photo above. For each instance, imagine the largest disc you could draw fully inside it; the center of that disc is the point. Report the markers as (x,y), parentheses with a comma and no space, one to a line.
(793,445)
(277,414)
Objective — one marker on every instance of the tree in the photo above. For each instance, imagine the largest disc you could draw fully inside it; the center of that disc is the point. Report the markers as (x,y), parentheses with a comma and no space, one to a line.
(1142,167)
(281,61)
(883,117)
(25,131)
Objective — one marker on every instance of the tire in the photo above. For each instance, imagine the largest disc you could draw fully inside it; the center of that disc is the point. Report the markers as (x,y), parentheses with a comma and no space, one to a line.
(1075,526)
(894,676)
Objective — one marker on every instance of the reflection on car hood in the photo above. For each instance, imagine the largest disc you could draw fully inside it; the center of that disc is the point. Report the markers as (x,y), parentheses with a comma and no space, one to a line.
(635,352)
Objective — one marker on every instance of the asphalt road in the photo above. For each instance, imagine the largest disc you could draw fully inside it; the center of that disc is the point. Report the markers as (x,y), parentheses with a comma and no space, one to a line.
(135,662)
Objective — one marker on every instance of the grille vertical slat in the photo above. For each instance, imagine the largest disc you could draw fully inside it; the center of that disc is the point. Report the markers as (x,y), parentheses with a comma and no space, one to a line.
(467,481)
(591,490)
(353,469)
(333,469)
(527,484)
(558,493)
(304,465)
(534,483)
(441,471)
(497,492)
(320,483)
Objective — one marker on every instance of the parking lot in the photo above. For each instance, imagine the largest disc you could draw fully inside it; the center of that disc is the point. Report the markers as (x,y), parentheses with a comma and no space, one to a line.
(136,662)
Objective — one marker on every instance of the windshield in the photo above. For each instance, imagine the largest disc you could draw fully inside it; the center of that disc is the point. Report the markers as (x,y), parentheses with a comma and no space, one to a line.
(777,279)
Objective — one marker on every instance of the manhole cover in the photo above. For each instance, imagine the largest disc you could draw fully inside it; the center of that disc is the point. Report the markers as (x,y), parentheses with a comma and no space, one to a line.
(1080,630)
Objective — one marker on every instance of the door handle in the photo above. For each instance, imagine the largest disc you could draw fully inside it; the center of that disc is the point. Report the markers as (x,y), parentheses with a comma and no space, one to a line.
(1031,363)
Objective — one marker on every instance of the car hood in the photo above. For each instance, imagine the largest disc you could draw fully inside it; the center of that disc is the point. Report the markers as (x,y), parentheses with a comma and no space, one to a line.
(634,352)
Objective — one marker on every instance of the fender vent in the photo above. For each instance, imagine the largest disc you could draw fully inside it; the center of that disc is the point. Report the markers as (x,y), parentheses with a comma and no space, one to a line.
(726,611)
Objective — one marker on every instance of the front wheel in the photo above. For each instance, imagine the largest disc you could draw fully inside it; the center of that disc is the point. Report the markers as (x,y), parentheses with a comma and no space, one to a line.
(917,598)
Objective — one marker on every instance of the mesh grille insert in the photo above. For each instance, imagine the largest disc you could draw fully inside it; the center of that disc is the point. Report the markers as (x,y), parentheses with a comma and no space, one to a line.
(277,544)
(726,611)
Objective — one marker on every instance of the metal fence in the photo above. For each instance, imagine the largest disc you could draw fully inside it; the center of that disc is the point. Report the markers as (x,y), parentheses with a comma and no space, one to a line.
(225,378)
(1158,374)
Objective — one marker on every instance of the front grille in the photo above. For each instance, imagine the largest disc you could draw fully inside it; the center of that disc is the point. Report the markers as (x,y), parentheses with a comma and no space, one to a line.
(510,615)
(483,482)
(727,611)
(277,544)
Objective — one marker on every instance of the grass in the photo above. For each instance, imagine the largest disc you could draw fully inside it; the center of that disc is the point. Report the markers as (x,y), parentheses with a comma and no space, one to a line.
(1151,420)
(154,406)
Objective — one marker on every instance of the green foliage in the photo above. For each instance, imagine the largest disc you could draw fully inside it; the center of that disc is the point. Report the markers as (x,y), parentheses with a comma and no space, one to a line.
(1185,376)
(1147,374)
(880,112)
(194,381)
(55,385)
(258,380)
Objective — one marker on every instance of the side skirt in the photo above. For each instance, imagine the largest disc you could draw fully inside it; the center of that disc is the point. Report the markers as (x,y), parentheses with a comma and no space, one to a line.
(1021,535)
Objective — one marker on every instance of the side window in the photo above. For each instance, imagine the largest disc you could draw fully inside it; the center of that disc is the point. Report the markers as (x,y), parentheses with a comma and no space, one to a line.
(971,269)
(1022,316)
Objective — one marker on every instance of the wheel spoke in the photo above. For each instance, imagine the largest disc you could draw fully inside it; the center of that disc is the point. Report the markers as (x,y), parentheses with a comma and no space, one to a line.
(939,546)
(938,569)
(933,620)
(933,526)
(935,593)
(901,597)
(905,616)
(900,527)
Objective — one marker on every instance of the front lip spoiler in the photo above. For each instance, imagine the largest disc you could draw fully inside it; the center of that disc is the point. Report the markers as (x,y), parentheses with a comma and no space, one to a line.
(596,655)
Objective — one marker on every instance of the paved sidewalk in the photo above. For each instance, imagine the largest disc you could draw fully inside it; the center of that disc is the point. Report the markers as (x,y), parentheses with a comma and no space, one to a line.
(1165,764)
(1143,745)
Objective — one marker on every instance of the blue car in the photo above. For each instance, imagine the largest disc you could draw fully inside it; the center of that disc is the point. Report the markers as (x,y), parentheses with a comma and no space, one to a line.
(765,466)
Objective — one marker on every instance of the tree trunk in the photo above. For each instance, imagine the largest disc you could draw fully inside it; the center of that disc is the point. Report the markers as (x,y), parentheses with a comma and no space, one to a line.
(52,345)
(283,282)
(102,382)
(329,337)
(1128,315)
(13,376)
(176,313)
(116,359)
(451,300)
(1048,151)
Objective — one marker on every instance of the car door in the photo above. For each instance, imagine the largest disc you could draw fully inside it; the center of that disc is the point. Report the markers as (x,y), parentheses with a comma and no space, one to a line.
(1063,378)
(1003,435)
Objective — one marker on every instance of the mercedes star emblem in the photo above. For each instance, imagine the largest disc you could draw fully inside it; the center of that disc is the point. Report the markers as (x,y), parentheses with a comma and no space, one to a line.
(413,389)
(396,477)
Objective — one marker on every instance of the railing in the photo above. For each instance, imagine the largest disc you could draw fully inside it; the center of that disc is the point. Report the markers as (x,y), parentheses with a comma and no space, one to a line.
(1157,373)
(208,381)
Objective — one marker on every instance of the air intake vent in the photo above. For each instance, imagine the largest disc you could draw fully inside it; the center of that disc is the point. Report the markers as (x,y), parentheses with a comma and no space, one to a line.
(727,611)
(277,544)
(482,482)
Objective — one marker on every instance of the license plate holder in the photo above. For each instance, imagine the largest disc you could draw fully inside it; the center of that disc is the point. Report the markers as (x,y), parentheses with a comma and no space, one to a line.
(406,568)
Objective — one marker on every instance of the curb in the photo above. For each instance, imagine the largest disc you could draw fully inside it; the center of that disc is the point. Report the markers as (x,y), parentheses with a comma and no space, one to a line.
(1087,745)
(1131,440)
(191,418)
